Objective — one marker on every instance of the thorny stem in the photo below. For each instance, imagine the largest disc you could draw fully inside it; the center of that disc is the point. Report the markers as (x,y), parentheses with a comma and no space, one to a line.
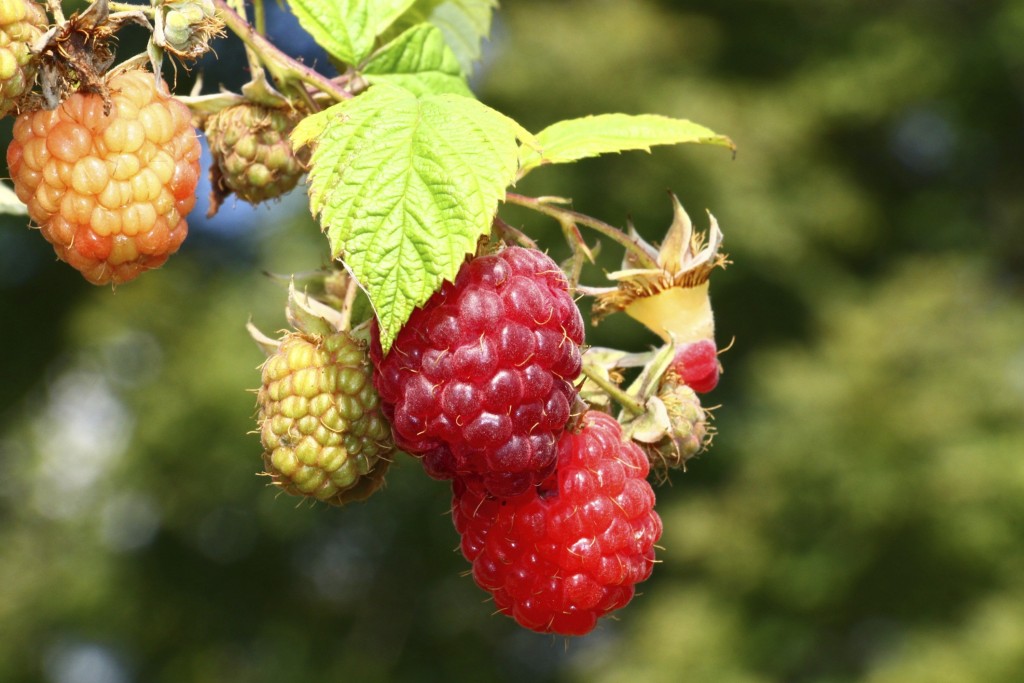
(281,66)
(508,232)
(56,10)
(568,218)
(615,391)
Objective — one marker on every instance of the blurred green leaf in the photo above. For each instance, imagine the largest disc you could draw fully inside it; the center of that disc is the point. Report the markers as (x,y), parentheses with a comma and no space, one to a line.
(591,136)
(464,23)
(347,29)
(420,61)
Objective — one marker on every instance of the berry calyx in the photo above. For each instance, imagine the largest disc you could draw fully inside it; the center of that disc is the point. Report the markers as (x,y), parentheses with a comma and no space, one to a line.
(478,383)
(696,364)
(560,556)
(323,433)
(109,181)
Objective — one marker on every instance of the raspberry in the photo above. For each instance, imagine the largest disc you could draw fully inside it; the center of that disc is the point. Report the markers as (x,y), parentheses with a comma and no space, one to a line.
(21,23)
(688,432)
(559,557)
(479,380)
(110,191)
(697,364)
(188,26)
(321,426)
(252,154)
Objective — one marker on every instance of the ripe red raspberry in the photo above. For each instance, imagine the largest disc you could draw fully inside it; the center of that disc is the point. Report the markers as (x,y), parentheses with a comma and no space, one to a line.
(479,380)
(559,557)
(110,191)
(697,365)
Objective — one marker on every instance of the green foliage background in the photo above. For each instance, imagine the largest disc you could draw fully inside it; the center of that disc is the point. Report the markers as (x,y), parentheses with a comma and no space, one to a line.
(860,516)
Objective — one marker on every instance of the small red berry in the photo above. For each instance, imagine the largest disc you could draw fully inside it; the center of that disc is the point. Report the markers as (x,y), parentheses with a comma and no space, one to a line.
(560,556)
(697,364)
(109,182)
(479,380)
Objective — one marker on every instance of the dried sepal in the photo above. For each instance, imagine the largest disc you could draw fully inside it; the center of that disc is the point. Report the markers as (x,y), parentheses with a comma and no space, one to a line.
(672,299)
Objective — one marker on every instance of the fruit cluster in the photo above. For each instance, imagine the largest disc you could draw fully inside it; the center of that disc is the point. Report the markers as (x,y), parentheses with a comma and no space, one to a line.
(550,498)
(106,159)
(554,510)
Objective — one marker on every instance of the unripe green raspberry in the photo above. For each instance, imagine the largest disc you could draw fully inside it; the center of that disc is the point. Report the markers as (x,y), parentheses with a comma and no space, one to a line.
(674,427)
(252,154)
(21,23)
(320,421)
(688,433)
(323,432)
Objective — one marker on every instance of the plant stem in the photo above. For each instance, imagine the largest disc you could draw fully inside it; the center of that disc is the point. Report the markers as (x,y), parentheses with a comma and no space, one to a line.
(283,68)
(128,7)
(259,17)
(351,290)
(56,10)
(568,217)
(615,391)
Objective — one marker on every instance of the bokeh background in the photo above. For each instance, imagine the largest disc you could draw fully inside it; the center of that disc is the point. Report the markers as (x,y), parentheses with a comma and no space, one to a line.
(860,516)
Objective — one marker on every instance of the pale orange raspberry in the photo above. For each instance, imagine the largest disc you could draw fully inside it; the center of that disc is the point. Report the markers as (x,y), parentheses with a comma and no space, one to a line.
(110,191)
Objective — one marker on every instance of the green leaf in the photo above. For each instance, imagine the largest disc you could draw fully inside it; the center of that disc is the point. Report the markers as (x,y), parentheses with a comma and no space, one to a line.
(404,187)
(464,24)
(9,202)
(591,136)
(348,29)
(420,61)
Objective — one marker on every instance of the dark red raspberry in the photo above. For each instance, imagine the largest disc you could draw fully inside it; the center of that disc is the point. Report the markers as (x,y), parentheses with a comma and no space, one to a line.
(479,381)
(562,555)
(697,365)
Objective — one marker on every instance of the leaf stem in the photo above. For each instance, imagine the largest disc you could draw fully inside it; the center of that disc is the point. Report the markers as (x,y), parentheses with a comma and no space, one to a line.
(568,218)
(615,391)
(259,17)
(351,290)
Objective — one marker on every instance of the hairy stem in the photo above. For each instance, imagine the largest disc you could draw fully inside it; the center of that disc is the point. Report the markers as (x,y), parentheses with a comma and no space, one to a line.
(283,68)
(615,391)
(569,218)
